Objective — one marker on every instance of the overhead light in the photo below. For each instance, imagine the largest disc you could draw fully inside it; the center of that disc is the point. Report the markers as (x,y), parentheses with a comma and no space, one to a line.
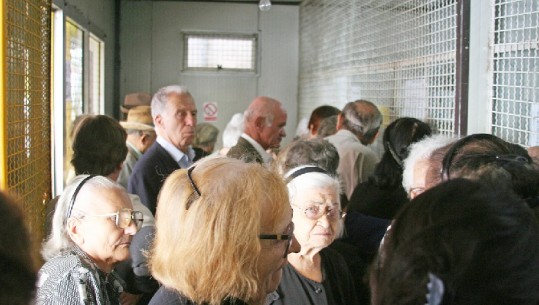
(264,5)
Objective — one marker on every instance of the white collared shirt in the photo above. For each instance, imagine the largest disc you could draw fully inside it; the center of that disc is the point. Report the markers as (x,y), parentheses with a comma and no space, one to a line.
(265,156)
(184,160)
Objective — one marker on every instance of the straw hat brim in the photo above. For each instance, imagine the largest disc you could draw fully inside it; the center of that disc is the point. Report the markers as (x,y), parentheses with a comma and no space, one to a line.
(136,126)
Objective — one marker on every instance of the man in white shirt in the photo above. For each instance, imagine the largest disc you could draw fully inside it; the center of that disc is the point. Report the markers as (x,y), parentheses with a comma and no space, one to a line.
(174,115)
(357,127)
(265,120)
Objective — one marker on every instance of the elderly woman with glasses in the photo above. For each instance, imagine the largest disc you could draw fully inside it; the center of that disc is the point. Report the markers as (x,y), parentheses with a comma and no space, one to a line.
(224,230)
(92,228)
(317,274)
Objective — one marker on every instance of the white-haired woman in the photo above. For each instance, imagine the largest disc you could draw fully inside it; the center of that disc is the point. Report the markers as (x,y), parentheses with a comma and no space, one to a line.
(92,228)
(317,274)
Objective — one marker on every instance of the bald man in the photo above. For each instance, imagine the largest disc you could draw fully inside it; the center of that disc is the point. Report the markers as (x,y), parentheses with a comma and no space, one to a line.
(265,119)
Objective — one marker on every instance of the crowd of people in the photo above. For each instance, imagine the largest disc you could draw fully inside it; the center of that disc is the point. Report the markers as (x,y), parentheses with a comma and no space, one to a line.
(155,215)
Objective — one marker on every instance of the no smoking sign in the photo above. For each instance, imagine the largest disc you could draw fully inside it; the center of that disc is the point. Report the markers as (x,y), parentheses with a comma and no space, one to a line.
(210,111)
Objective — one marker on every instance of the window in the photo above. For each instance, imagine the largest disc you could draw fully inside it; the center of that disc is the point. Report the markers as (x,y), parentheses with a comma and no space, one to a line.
(95,75)
(220,52)
(78,87)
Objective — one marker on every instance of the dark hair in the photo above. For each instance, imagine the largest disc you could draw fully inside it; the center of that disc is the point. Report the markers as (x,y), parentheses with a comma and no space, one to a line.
(328,126)
(17,272)
(362,118)
(397,138)
(99,146)
(481,242)
(487,158)
(321,113)
(318,152)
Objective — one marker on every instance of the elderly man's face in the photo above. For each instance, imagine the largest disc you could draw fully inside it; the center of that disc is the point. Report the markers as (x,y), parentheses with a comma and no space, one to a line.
(178,120)
(102,240)
(272,135)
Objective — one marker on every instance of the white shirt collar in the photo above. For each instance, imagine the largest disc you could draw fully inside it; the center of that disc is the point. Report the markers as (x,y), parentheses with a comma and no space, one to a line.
(267,157)
(177,154)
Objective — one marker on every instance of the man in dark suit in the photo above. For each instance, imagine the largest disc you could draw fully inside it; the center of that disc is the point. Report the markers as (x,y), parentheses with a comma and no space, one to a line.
(265,119)
(174,114)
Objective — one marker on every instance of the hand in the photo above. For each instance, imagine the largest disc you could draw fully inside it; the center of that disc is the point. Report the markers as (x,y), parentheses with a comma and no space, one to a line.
(127,298)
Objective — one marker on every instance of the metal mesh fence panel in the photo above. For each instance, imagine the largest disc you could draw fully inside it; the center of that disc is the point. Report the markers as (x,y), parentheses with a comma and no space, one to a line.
(27,108)
(398,54)
(515,75)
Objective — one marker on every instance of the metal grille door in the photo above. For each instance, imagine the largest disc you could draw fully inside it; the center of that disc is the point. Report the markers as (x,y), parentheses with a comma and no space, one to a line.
(398,54)
(515,75)
(26,153)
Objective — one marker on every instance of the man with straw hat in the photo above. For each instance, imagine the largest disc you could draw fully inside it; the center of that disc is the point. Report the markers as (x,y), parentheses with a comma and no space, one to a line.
(140,136)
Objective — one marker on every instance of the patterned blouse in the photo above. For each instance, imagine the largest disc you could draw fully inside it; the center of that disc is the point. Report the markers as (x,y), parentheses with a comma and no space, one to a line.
(71,278)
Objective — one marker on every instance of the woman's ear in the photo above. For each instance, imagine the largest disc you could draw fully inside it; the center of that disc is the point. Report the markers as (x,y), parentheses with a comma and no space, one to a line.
(75,230)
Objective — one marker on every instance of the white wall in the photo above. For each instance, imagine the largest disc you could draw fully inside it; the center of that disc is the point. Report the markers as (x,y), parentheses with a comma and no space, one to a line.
(151,53)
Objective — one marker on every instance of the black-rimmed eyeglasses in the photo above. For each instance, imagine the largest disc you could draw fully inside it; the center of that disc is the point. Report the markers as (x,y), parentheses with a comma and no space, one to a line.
(287,237)
(196,194)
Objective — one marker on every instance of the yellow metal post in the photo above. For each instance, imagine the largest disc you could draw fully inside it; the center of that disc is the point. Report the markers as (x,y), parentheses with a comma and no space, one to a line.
(3,104)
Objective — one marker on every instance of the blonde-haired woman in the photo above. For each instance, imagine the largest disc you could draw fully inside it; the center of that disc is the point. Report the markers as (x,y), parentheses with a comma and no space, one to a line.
(224,230)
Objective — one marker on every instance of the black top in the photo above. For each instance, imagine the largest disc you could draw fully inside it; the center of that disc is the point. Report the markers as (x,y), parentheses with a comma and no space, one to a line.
(337,287)
(150,173)
(372,200)
(165,296)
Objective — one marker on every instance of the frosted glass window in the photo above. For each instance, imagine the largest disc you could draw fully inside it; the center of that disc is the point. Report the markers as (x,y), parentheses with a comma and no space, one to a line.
(216,52)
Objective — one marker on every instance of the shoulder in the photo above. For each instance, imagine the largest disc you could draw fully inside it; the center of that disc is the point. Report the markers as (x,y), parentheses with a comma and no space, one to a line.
(61,265)
(331,257)
(155,152)
(166,296)
(58,277)
(156,162)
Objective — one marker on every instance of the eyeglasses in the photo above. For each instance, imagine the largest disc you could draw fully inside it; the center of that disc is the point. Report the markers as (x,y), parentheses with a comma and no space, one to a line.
(287,237)
(196,194)
(123,218)
(315,212)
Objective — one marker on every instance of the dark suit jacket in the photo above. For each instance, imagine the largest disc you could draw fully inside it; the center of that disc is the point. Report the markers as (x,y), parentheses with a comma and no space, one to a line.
(243,150)
(150,173)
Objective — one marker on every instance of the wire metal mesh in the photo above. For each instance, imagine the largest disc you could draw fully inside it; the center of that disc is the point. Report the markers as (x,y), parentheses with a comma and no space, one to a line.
(398,54)
(515,75)
(28,107)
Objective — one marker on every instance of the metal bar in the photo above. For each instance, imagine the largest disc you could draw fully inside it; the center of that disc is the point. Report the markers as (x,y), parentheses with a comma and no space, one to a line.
(3,94)
(462,66)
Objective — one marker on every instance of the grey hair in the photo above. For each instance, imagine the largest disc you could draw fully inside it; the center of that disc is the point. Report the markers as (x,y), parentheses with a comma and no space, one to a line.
(160,98)
(59,240)
(364,121)
(314,180)
(419,151)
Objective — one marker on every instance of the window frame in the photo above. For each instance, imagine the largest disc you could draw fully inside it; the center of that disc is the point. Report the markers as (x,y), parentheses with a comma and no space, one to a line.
(254,37)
